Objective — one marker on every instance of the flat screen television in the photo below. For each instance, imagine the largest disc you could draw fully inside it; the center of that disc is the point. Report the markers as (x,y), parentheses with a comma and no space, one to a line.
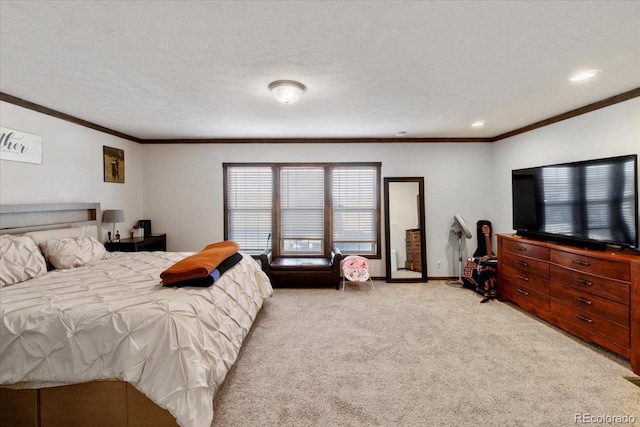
(588,204)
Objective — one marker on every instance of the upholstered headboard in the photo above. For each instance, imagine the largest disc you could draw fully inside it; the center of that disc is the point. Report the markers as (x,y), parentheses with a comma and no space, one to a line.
(17,219)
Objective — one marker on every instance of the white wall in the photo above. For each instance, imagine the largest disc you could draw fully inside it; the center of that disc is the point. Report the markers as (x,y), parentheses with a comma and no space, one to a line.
(179,187)
(71,169)
(183,187)
(184,197)
(608,132)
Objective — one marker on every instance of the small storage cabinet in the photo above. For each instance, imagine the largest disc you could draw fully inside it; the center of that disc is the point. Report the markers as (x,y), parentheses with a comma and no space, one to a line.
(594,295)
(138,244)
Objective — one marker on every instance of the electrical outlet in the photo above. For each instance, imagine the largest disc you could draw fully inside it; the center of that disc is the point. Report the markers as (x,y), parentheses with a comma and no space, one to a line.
(439,263)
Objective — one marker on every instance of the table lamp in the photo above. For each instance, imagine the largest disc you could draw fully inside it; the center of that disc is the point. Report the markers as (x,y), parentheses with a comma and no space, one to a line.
(113,216)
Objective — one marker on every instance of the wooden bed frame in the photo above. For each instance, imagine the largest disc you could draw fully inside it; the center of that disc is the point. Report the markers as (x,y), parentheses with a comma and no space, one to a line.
(97,404)
(108,403)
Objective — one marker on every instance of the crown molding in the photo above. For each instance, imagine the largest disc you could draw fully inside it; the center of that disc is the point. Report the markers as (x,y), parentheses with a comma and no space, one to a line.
(62,116)
(308,140)
(625,96)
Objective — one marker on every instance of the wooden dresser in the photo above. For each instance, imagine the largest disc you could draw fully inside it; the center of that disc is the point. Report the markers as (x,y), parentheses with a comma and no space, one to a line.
(592,294)
(414,255)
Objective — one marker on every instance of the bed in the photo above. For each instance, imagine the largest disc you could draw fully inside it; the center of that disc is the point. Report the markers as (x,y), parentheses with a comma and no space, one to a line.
(137,353)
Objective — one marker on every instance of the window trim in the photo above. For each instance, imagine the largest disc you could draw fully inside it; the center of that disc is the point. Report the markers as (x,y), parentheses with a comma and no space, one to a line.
(328,205)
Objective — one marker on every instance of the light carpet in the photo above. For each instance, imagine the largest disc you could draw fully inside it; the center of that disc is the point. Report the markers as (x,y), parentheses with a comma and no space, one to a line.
(419,354)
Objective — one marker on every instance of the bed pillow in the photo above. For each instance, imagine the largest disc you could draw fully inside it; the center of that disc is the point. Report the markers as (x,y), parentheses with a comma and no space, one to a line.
(20,260)
(42,236)
(69,253)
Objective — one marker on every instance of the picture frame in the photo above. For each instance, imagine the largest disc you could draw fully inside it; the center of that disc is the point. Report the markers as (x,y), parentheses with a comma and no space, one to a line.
(113,159)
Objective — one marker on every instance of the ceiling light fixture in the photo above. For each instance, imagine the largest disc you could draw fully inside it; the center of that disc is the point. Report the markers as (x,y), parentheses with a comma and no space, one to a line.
(287,91)
(584,75)
(478,124)
(401,133)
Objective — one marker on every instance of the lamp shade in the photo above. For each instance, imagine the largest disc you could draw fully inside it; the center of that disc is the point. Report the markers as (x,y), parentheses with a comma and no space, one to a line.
(113,215)
(287,91)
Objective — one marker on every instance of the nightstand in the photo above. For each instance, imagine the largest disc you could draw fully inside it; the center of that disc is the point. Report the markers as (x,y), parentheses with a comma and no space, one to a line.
(136,244)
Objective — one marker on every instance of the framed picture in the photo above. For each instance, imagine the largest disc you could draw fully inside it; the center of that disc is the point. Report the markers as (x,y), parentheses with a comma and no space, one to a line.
(113,164)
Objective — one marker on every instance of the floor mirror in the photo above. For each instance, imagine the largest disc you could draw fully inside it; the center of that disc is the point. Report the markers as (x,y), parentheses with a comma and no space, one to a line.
(405,229)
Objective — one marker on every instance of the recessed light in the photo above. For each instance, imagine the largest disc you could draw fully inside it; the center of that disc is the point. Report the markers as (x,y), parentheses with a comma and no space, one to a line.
(478,124)
(584,75)
(401,133)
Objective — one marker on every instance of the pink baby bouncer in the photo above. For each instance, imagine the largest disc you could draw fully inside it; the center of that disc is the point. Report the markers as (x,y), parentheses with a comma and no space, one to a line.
(356,269)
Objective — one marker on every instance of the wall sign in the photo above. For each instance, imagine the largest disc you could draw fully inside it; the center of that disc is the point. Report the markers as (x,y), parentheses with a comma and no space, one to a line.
(19,146)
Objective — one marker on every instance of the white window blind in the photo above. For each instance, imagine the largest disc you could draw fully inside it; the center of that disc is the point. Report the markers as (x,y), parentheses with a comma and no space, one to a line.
(302,203)
(249,207)
(355,196)
(298,207)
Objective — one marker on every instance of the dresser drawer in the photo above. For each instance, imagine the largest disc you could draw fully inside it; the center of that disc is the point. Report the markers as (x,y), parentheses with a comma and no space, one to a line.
(528,265)
(517,277)
(526,298)
(613,311)
(589,335)
(526,249)
(591,322)
(607,288)
(413,246)
(592,265)
(413,236)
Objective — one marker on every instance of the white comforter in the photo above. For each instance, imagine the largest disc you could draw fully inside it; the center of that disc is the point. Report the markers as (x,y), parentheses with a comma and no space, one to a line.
(112,319)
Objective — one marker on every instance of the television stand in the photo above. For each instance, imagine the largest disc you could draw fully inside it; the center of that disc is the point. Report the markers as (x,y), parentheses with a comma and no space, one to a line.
(594,295)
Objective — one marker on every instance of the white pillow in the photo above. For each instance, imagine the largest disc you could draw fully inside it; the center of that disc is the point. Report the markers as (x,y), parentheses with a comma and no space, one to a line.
(68,253)
(20,260)
(42,236)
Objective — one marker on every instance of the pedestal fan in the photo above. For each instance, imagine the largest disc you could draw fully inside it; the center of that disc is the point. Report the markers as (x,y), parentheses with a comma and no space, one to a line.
(458,228)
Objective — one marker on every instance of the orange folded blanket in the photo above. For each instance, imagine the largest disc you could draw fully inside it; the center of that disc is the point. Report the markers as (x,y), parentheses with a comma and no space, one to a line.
(200,264)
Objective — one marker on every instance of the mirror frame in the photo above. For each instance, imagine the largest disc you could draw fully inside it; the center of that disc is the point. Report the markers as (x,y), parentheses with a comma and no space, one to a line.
(387,228)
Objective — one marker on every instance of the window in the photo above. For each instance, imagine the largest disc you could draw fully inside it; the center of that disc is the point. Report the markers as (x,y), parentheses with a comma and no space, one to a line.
(355,199)
(302,210)
(307,208)
(248,201)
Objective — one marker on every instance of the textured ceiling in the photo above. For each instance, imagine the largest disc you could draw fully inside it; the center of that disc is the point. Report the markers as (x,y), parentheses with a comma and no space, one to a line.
(181,69)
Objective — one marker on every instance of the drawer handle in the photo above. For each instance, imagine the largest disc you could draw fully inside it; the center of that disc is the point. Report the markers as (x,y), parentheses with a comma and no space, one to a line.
(523,263)
(583,300)
(580,262)
(584,319)
(520,248)
(584,282)
(523,292)
(526,279)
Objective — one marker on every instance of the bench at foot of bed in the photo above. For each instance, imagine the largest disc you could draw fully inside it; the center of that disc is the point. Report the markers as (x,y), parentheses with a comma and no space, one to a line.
(301,272)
